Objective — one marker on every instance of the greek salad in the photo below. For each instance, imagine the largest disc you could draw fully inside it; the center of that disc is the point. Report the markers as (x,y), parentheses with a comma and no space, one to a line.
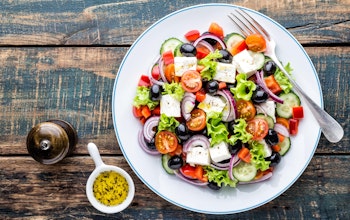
(216,109)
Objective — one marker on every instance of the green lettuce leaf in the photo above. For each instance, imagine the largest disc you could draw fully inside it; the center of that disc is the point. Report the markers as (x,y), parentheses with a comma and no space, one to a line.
(220,177)
(216,129)
(209,63)
(167,123)
(174,89)
(244,89)
(240,132)
(258,156)
(282,80)
(143,98)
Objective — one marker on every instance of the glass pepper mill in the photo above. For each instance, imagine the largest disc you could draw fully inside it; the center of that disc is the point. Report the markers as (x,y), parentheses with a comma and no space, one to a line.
(51,141)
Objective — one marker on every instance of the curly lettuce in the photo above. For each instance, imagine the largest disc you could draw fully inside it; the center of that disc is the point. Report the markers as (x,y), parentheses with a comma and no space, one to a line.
(282,80)
(167,123)
(216,129)
(220,177)
(258,156)
(142,97)
(240,132)
(174,89)
(209,63)
(244,89)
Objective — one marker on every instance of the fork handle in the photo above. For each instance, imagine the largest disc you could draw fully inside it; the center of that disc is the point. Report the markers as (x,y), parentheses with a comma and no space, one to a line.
(330,128)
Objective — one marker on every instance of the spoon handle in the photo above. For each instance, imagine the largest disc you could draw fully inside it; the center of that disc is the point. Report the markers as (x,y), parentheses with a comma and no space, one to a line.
(94,153)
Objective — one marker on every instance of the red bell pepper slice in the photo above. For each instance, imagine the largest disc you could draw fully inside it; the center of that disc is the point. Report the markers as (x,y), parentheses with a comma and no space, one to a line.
(298,112)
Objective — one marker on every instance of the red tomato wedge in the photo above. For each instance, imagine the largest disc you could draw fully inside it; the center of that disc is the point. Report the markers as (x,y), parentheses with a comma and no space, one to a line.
(197,121)
(168,57)
(293,126)
(202,52)
(155,72)
(238,47)
(256,43)
(191,81)
(257,127)
(192,35)
(216,29)
(166,142)
(196,172)
(144,81)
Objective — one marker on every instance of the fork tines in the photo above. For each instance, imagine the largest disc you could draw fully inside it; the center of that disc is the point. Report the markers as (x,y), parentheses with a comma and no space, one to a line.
(246,24)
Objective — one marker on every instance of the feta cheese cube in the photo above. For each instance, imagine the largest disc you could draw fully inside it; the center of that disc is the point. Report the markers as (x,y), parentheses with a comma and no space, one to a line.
(225,72)
(212,104)
(267,148)
(199,156)
(182,64)
(245,62)
(170,106)
(219,152)
(268,107)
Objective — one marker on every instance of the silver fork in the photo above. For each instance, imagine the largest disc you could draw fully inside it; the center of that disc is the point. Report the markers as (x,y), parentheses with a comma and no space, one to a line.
(247,25)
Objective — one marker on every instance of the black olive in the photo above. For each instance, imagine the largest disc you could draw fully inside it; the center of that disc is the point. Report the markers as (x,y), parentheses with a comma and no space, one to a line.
(275,158)
(212,86)
(182,132)
(226,56)
(175,162)
(151,145)
(209,40)
(269,68)
(213,185)
(155,92)
(188,50)
(236,147)
(272,137)
(259,95)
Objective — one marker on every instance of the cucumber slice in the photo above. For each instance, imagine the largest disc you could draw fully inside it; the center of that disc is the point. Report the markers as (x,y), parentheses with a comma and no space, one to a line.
(267,118)
(165,159)
(244,172)
(285,145)
(290,100)
(231,39)
(177,51)
(170,44)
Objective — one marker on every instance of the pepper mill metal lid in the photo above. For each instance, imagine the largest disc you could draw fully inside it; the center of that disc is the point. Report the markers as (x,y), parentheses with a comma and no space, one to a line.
(51,141)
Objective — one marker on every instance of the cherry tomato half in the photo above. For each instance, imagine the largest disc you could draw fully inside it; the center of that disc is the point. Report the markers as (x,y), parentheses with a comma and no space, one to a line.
(197,121)
(256,43)
(166,142)
(191,81)
(169,73)
(245,109)
(257,127)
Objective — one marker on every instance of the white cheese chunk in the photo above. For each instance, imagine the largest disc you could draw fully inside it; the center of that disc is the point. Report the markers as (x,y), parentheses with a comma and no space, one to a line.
(212,104)
(245,62)
(199,156)
(170,106)
(219,152)
(225,72)
(268,107)
(182,64)
(267,148)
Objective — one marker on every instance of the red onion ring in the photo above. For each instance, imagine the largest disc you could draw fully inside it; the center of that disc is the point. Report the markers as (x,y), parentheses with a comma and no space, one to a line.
(204,44)
(229,115)
(188,99)
(143,145)
(279,128)
(263,178)
(260,81)
(192,181)
(161,69)
(148,128)
(153,80)
(218,167)
(196,140)
(234,161)
(210,36)
(221,165)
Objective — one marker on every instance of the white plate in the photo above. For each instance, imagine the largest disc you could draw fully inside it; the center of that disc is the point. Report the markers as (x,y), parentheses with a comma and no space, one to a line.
(149,169)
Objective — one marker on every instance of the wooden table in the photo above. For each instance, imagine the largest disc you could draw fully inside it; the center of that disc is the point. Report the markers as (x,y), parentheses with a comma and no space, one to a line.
(59,59)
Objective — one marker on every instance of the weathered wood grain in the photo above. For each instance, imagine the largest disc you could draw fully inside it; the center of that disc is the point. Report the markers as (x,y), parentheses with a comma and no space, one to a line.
(58,191)
(76,84)
(110,22)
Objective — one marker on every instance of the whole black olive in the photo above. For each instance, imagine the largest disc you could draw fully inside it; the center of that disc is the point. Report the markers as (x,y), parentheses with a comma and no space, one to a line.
(155,92)
(269,68)
(182,132)
(214,186)
(259,95)
(275,158)
(272,137)
(209,40)
(188,50)
(236,147)
(175,162)
(212,86)
(226,56)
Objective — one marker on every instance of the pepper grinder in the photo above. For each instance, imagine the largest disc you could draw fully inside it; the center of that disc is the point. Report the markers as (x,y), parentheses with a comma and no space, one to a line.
(51,141)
